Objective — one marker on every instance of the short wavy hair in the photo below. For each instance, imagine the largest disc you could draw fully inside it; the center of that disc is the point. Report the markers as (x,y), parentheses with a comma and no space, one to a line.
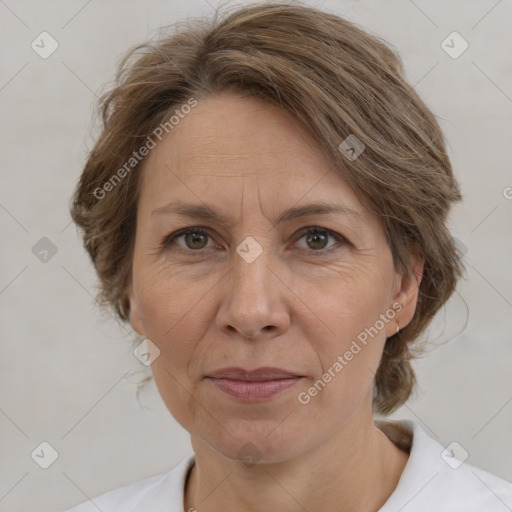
(336,80)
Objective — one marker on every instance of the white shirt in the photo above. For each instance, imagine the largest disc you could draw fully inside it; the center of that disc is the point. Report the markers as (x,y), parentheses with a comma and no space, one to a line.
(432,481)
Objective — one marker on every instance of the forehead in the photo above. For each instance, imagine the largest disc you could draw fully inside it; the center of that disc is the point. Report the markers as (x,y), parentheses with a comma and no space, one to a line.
(253,133)
(226,143)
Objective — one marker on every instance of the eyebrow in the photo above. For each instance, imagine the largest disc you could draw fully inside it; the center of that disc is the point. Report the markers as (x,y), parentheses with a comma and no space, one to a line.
(206,212)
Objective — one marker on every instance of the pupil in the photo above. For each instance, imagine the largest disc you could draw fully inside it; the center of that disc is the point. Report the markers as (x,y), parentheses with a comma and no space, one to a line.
(195,237)
(315,237)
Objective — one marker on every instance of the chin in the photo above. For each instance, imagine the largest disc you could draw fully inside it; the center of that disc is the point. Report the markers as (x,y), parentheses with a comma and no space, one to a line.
(258,442)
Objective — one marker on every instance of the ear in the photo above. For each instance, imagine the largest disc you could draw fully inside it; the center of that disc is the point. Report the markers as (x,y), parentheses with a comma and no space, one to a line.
(135,317)
(406,291)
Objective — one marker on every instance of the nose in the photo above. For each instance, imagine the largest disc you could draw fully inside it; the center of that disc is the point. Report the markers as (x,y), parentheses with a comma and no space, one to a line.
(254,302)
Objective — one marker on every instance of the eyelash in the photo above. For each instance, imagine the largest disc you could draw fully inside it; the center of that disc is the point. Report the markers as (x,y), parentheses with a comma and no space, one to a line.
(168,240)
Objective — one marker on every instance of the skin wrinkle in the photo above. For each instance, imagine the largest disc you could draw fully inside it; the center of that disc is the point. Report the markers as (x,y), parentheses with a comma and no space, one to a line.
(210,311)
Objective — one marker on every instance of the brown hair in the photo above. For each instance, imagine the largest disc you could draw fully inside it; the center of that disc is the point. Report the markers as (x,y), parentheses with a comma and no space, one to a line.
(335,79)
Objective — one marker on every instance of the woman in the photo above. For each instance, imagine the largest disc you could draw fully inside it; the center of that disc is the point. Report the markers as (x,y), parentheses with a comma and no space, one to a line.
(267,207)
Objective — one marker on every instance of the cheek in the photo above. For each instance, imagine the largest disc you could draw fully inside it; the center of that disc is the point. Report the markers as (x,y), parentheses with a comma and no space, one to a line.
(351,307)
(168,299)
(174,318)
(173,315)
(347,301)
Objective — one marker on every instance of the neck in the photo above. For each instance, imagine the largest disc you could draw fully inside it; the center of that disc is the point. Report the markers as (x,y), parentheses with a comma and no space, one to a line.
(355,470)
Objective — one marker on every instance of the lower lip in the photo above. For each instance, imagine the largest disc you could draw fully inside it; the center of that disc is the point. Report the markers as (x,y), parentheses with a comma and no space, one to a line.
(253,391)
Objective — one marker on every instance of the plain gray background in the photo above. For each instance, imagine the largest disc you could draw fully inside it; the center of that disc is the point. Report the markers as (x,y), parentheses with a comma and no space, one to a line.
(67,374)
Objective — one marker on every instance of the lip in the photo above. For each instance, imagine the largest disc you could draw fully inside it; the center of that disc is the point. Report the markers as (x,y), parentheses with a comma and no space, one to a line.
(256,375)
(254,385)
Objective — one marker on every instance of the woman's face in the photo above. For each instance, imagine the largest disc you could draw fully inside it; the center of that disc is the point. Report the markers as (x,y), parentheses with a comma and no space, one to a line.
(269,281)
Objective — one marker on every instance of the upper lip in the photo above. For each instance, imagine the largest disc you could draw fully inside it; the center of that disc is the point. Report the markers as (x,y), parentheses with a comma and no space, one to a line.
(258,374)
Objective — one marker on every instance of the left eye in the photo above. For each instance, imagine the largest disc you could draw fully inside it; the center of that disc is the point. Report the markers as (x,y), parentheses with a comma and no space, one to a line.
(317,238)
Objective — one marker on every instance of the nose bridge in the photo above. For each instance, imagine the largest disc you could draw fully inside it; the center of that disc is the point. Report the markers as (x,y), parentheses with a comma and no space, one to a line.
(250,272)
(253,304)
